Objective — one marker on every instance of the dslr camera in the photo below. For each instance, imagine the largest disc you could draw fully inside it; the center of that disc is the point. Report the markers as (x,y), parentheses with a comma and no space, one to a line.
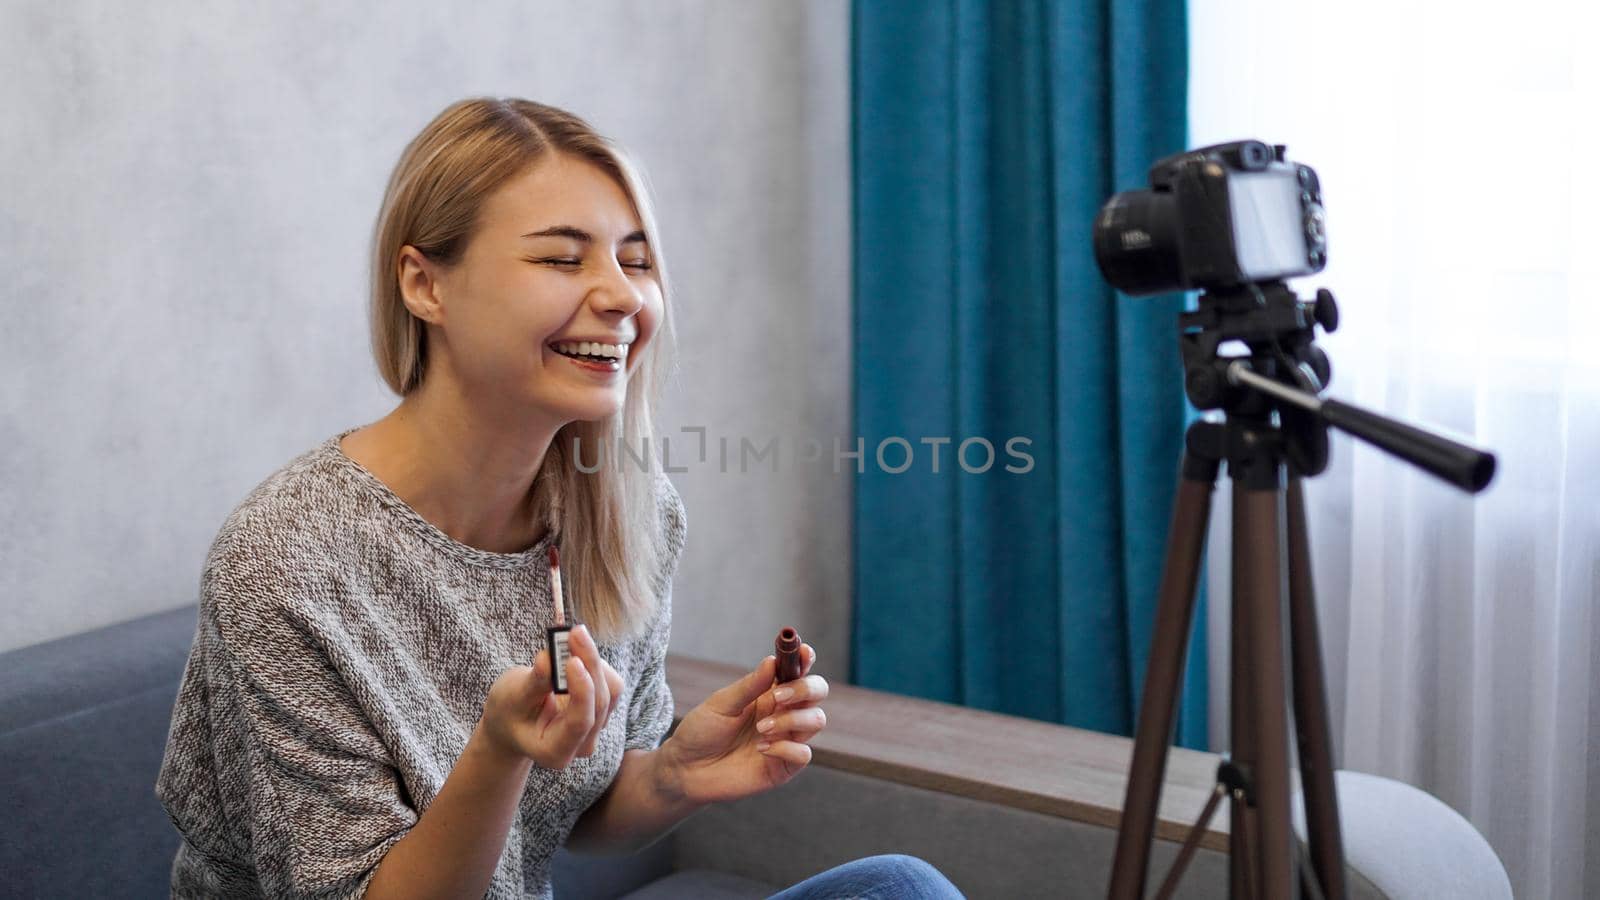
(1215,218)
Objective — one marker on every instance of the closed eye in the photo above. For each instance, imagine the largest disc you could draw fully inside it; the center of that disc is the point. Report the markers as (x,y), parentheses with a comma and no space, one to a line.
(567,261)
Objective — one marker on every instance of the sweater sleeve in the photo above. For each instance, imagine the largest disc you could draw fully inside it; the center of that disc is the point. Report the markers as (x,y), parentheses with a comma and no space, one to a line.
(315,792)
(651,708)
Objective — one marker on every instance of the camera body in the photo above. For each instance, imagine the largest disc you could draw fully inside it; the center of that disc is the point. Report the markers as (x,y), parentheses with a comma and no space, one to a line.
(1214,218)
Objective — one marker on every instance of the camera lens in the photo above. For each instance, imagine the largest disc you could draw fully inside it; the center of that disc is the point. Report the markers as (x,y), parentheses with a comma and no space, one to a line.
(1136,243)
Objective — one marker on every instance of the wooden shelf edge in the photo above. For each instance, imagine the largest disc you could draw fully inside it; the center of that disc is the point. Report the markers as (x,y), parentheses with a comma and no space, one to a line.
(1056,770)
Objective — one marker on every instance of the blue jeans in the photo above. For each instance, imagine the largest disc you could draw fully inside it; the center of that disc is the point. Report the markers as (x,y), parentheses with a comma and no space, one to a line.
(890,876)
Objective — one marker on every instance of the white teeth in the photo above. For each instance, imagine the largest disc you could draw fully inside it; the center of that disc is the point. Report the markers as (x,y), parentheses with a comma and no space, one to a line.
(589,348)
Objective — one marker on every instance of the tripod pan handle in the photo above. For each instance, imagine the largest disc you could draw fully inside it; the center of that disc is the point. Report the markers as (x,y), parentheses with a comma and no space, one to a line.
(1463,465)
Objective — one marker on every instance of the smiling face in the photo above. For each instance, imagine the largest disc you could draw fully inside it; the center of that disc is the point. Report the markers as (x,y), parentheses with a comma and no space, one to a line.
(557,255)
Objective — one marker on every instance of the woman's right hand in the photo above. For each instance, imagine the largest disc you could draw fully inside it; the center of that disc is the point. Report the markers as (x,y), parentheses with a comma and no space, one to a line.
(522,715)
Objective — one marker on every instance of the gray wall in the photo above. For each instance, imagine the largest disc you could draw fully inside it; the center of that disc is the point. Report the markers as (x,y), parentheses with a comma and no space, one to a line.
(187,202)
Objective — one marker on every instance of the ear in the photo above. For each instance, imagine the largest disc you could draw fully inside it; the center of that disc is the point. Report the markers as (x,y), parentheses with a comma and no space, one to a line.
(419,285)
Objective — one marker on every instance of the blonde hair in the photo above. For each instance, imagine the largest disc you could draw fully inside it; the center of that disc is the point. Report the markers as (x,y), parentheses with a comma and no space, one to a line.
(608,520)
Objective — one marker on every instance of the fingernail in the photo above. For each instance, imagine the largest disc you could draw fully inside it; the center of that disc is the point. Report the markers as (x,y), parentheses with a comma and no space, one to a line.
(782,694)
(765,725)
(763,746)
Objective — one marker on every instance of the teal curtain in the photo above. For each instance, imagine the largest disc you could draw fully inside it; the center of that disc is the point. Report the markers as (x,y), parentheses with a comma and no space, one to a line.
(985,137)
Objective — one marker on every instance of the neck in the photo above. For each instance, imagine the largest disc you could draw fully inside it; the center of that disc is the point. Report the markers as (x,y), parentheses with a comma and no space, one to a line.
(465,466)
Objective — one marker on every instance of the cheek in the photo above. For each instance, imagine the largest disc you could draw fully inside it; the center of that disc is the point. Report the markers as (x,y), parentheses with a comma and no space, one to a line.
(509,318)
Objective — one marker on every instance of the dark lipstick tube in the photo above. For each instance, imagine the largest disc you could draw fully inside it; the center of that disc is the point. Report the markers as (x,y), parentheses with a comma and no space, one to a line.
(787,648)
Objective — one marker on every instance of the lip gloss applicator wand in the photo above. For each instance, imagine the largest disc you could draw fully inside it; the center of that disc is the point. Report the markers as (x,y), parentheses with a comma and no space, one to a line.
(557,635)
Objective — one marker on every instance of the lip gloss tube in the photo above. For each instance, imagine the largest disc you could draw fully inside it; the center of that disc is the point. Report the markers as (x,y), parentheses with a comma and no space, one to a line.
(558,635)
(787,649)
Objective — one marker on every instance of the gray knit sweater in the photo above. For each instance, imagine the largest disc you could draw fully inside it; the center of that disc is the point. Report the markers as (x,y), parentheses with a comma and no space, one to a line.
(342,655)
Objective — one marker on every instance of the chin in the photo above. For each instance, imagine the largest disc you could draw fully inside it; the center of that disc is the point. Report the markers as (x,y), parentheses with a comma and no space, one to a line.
(592,413)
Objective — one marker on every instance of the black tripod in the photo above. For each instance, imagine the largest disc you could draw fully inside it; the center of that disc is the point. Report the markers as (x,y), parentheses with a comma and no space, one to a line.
(1272,434)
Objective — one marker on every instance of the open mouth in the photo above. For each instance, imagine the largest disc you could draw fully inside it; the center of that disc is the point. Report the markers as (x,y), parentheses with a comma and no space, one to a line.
(604,357)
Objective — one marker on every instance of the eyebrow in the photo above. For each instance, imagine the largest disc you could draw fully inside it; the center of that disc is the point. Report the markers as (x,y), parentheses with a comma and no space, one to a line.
(578,234)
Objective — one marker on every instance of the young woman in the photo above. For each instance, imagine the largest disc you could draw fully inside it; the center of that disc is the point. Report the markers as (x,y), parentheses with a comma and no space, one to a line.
(367,708)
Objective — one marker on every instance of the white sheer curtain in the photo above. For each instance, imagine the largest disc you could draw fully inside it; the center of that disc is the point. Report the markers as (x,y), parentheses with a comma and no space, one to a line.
(1459,155)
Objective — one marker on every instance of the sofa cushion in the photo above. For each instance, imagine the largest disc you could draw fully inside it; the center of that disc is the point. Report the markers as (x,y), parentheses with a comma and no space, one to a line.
(82,818)
(83,726)
(602,877)
(75,673)
(1408,843)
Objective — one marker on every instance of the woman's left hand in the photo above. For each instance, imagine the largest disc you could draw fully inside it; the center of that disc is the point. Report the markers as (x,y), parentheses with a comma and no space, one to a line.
(719,752)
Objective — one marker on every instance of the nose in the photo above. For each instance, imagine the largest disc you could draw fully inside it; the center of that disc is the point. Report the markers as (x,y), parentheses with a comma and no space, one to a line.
(616,291)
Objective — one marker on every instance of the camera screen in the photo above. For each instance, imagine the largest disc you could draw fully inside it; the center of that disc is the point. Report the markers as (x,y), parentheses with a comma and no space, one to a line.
(1269,233)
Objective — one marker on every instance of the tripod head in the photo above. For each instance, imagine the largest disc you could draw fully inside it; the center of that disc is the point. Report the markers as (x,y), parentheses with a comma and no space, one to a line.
(1270,393)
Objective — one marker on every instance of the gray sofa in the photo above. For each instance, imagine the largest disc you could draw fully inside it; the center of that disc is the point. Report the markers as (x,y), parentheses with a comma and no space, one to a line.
(83,724)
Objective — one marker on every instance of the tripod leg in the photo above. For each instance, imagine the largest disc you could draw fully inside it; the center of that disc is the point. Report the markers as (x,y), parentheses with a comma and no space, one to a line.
(1241,732)
(1311,708)
(1170,883)
(1169,643)
(1257,583)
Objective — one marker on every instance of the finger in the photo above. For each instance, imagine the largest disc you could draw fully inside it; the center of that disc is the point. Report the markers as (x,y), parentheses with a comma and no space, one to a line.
(596,700)
(537,688)
(797,755)
(579,715)
(732,699)
(802,737)
(797,724)
(807,691)
(584,647)
(548,712)
(614,681)
(602,714)
(538,684)
(808,655)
